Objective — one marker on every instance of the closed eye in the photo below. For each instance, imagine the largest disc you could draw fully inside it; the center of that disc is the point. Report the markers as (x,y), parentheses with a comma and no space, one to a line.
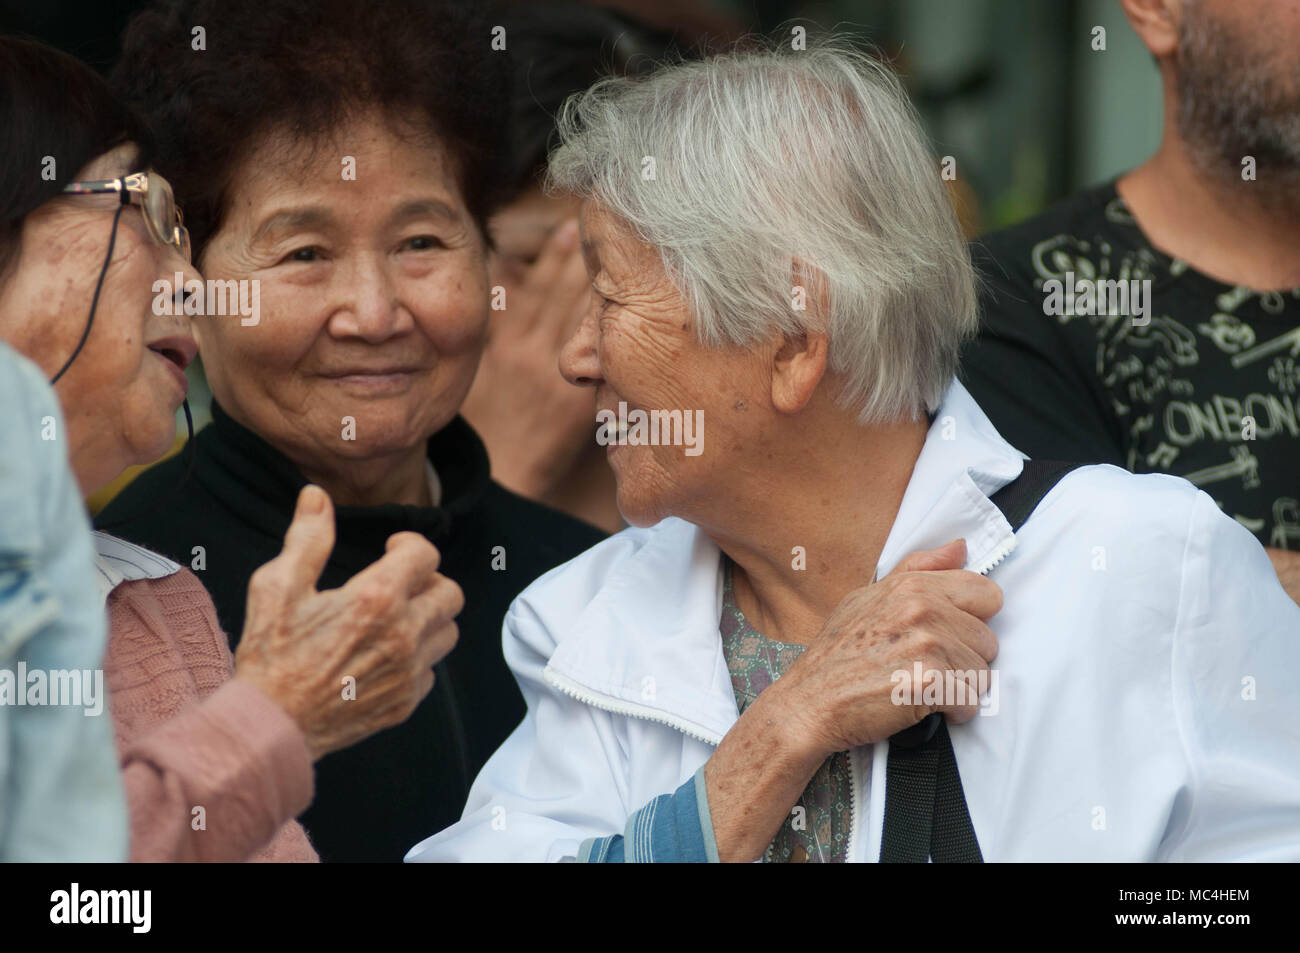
(603,302)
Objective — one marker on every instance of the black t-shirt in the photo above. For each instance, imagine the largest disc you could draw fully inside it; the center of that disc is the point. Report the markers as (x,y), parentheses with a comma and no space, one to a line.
(1169,396)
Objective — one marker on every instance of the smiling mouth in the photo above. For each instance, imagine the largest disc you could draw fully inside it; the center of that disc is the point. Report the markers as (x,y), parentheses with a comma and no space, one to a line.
(362,372)
(377,382)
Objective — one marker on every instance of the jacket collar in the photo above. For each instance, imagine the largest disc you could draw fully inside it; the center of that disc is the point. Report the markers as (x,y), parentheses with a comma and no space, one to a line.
(963,462)
(255,479)
(649,639)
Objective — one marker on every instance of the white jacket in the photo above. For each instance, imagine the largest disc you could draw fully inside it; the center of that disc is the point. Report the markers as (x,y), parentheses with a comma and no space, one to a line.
(1147,664)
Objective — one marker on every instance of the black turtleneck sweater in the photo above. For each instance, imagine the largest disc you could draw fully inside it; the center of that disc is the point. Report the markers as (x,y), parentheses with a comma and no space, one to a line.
(381,796)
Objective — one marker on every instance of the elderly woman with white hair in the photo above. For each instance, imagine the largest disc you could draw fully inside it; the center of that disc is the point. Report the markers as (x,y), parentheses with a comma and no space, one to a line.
(791,655)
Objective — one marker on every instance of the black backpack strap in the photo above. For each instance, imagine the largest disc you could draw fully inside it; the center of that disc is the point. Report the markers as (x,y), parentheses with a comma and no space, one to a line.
(925,807)
(1021,496)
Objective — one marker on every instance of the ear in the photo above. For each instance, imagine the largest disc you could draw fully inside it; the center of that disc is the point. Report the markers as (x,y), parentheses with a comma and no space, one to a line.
(1157,23)
(800,360)
(798,366)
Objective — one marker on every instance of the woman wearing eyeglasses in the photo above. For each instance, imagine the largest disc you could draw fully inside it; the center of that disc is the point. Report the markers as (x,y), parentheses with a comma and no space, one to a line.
(217,753)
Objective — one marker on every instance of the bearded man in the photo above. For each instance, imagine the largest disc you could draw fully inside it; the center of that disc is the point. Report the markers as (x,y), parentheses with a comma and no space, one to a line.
(1205,383)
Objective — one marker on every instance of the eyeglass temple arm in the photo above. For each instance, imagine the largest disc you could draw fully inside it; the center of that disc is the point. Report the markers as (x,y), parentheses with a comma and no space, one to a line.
(122,185)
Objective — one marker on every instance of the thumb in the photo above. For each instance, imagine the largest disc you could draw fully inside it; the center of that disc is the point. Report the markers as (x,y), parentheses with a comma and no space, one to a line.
(309,539)
(948,556)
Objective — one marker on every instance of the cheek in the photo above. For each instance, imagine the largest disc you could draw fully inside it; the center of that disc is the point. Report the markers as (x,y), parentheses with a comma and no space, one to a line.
(48,297)
(644,366)
(454,314)
(114,357)
(621,355)
(290,321)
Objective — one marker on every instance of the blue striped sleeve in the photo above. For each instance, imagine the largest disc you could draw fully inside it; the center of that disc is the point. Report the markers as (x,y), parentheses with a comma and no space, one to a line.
(672,829)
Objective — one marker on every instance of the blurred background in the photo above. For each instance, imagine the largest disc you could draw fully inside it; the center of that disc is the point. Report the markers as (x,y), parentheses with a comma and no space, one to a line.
(1013,90)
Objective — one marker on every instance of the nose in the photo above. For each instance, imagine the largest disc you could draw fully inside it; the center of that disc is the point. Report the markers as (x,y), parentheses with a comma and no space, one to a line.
(372,310)
(179,264)
(579,359)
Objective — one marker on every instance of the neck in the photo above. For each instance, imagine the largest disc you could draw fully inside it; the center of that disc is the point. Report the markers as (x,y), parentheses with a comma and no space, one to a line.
(1235,231)
(839,494)
(396,478)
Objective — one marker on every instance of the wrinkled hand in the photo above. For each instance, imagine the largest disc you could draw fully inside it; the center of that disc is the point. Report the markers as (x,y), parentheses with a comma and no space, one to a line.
(386,628)
(840,694)
(533,421)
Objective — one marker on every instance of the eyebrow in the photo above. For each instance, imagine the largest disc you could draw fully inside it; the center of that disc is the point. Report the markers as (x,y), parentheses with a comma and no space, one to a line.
(419,208)
(291,218)
(318,216)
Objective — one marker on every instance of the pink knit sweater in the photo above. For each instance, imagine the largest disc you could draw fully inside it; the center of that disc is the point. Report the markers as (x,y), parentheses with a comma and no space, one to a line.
(192,737)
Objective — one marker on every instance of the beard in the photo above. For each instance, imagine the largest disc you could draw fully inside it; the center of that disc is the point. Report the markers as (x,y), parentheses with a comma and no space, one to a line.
(1239,96)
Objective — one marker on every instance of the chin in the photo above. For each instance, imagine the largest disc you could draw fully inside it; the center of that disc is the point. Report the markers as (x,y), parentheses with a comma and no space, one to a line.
(156,444)
(144,448)
(637,510)
(379,435)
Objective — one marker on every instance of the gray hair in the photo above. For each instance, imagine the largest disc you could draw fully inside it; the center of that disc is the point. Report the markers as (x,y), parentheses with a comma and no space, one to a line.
(779,168)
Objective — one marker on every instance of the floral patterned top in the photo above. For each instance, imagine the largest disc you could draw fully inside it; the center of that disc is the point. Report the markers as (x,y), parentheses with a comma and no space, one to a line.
(817,829)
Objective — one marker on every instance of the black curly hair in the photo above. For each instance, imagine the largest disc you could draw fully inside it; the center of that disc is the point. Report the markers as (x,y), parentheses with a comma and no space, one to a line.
(304,67)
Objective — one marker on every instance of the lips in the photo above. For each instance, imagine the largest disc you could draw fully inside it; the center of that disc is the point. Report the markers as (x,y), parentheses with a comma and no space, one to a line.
(180,349)
(386,371)
(377,381)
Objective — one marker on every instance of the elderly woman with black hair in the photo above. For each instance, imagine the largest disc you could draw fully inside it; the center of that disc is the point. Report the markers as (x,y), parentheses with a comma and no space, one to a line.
(343,158)
(755,670)
(216,754)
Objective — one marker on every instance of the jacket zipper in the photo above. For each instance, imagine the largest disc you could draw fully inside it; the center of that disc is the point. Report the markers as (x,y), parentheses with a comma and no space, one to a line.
(854,796)
(1003,550)
(853,812)
(619,707)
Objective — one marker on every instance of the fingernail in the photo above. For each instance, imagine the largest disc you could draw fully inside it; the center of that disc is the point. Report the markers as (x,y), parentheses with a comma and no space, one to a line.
(310,501)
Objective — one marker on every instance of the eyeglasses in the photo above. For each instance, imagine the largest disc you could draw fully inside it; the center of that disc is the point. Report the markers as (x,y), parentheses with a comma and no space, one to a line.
(162,218)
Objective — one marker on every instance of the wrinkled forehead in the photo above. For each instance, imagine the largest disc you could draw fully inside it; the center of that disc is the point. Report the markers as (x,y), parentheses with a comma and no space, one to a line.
(609,242)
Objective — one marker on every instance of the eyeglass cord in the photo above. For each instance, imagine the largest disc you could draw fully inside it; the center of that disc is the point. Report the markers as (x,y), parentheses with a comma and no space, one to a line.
(94,302)
(185,404)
